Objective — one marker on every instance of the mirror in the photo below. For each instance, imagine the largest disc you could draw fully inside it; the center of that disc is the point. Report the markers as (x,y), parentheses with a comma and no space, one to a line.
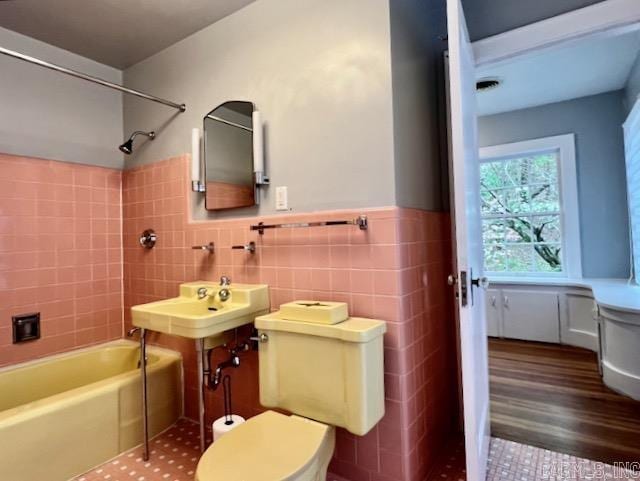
(228,156)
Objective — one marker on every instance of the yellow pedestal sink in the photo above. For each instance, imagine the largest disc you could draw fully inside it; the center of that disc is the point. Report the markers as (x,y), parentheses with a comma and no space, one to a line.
(197,318)
(199,313)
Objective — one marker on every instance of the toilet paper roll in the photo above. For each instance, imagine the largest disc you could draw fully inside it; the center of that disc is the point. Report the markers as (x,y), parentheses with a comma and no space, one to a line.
(220,427)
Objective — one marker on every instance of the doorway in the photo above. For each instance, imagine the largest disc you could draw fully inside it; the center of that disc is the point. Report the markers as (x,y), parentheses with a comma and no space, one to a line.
(557,179)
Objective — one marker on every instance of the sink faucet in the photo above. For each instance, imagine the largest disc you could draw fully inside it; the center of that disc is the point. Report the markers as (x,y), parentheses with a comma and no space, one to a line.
(224,293)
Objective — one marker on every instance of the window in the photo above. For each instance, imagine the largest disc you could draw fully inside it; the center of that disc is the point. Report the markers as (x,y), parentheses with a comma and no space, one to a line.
(632,156)
(529,208)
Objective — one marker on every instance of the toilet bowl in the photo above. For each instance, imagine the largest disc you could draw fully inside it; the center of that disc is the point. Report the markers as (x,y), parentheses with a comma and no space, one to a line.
(270,447)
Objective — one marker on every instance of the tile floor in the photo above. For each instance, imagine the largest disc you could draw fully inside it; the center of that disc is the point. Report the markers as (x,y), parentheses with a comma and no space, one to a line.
(451,466)
(511,461)
(174,457)
(175,454)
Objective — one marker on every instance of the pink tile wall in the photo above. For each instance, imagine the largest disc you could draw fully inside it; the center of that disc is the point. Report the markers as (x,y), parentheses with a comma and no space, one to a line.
(395,271)
(60,254)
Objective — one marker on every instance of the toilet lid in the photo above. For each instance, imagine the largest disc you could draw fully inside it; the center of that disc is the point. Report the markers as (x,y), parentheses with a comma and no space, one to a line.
(268,447)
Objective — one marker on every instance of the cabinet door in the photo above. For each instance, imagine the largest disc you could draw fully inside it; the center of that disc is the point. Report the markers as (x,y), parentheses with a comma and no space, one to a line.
(531,315)
(494,313)
(578,324)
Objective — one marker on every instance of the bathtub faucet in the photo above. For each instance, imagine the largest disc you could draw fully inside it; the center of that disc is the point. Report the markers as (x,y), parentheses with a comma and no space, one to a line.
(132,331)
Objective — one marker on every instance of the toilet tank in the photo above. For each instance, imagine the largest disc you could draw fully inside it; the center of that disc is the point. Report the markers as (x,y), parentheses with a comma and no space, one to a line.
(333,374)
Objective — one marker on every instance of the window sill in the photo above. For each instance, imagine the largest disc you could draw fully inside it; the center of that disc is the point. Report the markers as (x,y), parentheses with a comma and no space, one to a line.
(537,281)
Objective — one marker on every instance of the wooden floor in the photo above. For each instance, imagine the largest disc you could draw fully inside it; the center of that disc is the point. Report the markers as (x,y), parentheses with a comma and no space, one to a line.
(552,396)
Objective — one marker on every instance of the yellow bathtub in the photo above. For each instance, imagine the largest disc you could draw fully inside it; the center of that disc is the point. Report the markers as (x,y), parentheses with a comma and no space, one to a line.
(61,416)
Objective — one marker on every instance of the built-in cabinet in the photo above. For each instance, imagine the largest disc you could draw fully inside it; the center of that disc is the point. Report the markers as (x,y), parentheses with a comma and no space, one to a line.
(620,353)
(494,313)
(530,315)
(578,318)
(542,313)
(520,313)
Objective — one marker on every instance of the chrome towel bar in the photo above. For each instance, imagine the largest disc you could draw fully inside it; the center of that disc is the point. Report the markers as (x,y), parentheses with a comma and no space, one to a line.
(361,221)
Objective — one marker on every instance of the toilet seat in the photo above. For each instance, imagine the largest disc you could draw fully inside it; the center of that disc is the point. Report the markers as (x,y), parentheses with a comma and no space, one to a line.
(268,447)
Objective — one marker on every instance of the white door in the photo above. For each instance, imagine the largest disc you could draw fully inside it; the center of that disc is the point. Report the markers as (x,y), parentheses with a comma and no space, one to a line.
(468,243)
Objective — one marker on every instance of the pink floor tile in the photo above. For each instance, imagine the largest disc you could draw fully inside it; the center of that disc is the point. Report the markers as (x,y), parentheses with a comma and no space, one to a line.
(174,457)
(175,454)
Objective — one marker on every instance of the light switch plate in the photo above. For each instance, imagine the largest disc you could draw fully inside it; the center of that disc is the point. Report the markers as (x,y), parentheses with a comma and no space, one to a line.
(282,198)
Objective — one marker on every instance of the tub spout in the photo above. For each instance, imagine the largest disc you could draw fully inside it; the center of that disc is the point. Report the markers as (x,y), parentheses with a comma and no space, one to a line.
(132,331)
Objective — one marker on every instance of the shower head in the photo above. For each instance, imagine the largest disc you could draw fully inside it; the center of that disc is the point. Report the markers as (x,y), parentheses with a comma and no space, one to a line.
(127,147)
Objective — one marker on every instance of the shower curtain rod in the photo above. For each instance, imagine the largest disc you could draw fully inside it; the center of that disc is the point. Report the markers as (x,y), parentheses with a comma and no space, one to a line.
(96,80)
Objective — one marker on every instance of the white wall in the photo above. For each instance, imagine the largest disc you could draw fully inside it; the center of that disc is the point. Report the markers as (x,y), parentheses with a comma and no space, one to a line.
(50,115)
(420,149)
(320,72)
(632,89)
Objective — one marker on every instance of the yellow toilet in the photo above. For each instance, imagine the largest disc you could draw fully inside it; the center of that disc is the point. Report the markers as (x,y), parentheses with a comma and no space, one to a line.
(322,366)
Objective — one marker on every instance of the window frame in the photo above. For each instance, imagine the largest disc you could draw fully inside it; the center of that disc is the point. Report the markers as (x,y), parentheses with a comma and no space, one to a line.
(564,145)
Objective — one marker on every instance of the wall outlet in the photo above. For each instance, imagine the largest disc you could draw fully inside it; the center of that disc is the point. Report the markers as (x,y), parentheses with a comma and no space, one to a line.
(282,198)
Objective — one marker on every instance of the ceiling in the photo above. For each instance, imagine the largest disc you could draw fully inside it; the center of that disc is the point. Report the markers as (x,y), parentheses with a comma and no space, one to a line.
(119,33)
(587,67)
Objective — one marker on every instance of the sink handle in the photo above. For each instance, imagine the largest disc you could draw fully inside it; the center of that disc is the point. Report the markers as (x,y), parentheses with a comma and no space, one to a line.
(225,281)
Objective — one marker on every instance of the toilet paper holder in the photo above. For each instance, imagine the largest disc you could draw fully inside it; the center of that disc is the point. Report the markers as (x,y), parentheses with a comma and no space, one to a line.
(229,421)
(226,392)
